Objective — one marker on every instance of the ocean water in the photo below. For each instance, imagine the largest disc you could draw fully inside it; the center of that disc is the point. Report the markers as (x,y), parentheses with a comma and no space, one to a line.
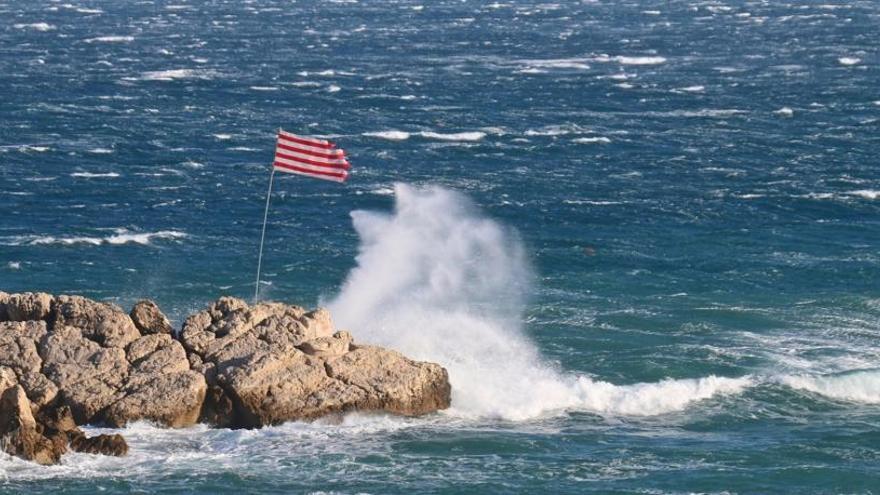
(643,236)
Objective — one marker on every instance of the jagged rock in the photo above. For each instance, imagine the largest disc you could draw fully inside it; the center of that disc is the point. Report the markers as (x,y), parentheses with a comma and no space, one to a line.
(328,347)
(28,306)
(114,444)
(149,319)
(273,361)
(18,430)
(173,399)
(393,382)
(106,324)
(7,378)
(78,361)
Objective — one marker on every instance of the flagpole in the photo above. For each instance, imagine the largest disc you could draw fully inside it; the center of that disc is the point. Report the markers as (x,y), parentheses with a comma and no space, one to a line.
(263,236)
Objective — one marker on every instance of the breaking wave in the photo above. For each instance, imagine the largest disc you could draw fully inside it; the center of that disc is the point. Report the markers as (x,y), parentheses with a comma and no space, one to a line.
(120,236)
(439,281)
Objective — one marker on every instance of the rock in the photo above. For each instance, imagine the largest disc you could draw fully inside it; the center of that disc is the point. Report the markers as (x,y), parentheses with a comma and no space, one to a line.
(274,363)
(149,319)
(7,378)
(392,382)
(172,399)
(18,430)
(29,306)
(328,347)
(103,323)
(114,444)
(79,361)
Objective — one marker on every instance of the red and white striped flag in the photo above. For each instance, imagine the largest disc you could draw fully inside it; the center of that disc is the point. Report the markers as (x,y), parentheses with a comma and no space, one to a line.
(309,156)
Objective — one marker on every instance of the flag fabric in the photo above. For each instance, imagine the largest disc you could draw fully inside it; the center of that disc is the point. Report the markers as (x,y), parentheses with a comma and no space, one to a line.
(309,156)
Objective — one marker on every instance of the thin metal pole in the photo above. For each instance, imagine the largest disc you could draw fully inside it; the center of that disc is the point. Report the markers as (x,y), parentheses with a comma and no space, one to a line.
(263,236)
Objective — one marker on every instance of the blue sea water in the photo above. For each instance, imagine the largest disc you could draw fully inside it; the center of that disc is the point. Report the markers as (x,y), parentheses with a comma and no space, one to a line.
(642,235)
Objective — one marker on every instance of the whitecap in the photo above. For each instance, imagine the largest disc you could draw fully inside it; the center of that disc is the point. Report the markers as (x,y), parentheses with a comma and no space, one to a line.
(389,135)
(865,193)
(593,140)
(333,88)
(848,60)
(100,151)
(651,60)
(858,386)
(119,237)
(784,112)
(36,26)
(223,137)
(92,175)
(172,74)
(456,136)
(110,39)
(264,88)
(693,89)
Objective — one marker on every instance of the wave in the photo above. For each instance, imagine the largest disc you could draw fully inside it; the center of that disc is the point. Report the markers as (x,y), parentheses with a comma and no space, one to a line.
(93,175)
(174,74)
(389,135)
(439,281)
(110,39)
(456,136)
(36,26)
(856,386)
(121,236)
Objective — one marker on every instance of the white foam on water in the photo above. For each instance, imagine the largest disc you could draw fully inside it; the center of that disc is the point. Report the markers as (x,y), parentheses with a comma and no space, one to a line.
(848,60)
(655,60)
(784,112)
(222,137)
(100,151)
(692,89)
(865,193)
(439,281)
(389,135)
(174,74)
(592,140)
(333,88)
(119,237)
(856,386)
(93,175)
(36,26)
(110,39)
(456,136)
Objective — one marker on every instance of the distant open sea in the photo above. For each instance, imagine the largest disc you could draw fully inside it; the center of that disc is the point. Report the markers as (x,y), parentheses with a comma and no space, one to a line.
(643,236)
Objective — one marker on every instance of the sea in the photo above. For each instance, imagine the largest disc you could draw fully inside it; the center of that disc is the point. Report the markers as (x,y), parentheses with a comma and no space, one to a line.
(642,236)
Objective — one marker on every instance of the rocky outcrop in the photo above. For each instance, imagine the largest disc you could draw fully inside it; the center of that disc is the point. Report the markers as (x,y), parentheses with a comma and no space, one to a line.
(149,319)
(68,360)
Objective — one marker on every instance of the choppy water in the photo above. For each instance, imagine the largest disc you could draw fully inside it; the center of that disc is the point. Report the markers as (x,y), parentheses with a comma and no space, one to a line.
(642,236)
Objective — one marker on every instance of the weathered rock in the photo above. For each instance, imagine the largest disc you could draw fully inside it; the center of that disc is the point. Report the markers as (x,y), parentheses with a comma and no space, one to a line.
(172,399)
(18,430)
(328,347)
(79,361)
(392,382)
(274,364)
(103,323)
(28,306)
(114,444)
(149,319)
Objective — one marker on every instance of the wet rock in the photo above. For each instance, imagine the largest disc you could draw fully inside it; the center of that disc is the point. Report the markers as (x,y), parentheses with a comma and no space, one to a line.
(149,319)
(114,444)
(18,430)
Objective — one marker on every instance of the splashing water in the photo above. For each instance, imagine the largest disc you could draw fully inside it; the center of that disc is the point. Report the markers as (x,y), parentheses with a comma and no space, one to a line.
(439,281)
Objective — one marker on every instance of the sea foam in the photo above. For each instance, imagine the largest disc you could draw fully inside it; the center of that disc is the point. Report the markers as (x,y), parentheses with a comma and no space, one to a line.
(439,281)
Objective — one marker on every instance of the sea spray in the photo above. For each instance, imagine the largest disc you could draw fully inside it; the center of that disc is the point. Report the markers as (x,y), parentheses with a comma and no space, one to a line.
(439,281)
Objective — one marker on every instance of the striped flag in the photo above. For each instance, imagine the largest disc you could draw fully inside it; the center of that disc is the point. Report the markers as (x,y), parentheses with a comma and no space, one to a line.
(309,156)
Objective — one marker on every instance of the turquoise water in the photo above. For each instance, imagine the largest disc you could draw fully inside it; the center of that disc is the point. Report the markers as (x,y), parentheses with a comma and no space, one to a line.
(642,236)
